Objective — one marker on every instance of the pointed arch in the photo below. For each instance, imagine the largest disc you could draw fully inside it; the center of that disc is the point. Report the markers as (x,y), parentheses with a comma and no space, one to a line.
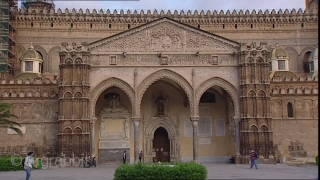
(264,128)
(111,82)
(67,130)
(216,81)
(260,60)
(166,123)
(53,59)
(293,59)
(78,61)
(77,130)
(290,110)
(251,93)
(168,74)
(253,128)
(69,61)
(173,135)
(44,55)
(262,93)
(67,94)
(77,94)
(304,55)
(251,103)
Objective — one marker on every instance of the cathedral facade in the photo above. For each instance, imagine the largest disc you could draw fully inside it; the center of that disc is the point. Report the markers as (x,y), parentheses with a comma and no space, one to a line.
(178,86)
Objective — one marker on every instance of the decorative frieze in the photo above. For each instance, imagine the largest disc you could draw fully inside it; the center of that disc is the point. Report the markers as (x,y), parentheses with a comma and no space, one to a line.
(170,60)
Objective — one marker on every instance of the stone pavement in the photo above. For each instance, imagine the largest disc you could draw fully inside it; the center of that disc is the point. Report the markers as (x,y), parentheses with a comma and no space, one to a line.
(215,171)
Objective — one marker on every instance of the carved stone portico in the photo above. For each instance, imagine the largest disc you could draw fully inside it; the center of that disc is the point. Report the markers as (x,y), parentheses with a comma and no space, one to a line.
(162,49)
(173,134)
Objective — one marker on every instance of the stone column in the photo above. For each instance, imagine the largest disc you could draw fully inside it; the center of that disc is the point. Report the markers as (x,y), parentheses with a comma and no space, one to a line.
(195,121)
(136,129)
(92,123)
(237,137)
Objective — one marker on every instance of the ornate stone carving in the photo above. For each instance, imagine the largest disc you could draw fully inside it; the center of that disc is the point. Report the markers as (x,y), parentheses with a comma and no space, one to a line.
(163,35)
(95,93)
(113,60)
(113,102)
(171,60)
(114,114)
(173,135)
(73,46)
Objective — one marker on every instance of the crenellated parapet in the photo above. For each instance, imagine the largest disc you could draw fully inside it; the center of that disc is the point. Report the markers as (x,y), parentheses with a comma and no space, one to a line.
(294,86)
(29,89)
(238,19)
(294,80)
(36,81)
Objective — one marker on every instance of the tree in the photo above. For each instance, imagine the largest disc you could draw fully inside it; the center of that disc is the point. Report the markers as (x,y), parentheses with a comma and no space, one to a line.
(5,116)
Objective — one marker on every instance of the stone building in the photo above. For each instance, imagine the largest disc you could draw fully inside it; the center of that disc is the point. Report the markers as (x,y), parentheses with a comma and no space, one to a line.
(178,86)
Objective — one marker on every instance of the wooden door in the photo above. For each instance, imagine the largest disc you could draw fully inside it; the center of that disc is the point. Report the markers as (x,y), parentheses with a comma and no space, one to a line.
(161,145)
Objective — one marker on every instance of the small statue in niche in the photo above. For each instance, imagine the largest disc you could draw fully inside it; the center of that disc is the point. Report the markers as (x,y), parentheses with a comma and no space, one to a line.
(160,109)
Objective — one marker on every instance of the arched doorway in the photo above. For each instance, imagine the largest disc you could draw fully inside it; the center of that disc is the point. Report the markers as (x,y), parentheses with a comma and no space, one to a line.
(161,145)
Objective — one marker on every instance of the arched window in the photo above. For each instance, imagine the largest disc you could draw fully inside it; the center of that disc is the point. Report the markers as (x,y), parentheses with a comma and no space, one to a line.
(40,64)
(305,62)
(290,110)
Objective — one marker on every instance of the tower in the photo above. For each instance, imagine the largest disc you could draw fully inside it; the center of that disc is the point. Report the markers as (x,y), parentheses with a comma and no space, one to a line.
(73,120)
(255,125)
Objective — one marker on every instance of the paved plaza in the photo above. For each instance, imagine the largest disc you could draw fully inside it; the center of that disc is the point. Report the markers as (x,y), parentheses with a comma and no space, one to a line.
(215,171)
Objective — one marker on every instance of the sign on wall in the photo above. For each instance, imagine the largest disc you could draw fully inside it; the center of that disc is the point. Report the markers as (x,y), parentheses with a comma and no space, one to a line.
(204,127)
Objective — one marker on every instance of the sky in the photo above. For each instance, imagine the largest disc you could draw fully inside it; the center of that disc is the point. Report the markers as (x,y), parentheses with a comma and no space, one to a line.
(180,4)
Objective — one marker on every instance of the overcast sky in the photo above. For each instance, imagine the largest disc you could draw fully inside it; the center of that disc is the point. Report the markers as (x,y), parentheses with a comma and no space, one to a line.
(181,4)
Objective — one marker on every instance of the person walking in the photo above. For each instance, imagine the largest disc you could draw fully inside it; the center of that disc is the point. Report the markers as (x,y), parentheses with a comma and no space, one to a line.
(28,163)
(140,156)
(124,157)
(253,157)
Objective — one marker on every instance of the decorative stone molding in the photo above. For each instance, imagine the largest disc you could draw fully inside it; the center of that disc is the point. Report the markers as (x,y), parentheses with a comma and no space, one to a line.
(183,59)
(234,94)
(26,92)
(165,35)
(173,135)
(182,82)
(294,91)
(96,92)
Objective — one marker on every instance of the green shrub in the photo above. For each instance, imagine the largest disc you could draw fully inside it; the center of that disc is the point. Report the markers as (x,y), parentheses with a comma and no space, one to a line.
(6,164)
(182,170)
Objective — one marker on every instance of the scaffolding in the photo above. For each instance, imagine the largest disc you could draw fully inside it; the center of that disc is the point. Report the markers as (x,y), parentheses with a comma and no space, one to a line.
(8,9)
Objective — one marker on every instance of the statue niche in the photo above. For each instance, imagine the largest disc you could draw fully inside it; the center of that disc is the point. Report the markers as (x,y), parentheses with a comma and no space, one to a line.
(160,105)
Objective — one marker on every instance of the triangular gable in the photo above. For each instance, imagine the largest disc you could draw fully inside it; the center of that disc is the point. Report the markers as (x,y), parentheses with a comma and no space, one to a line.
(164,35)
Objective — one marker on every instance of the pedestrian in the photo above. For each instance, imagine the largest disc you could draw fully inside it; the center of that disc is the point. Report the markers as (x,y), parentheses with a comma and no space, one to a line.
(124,157)
(253,157)
(28,163)
(94,162)
(140,156)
